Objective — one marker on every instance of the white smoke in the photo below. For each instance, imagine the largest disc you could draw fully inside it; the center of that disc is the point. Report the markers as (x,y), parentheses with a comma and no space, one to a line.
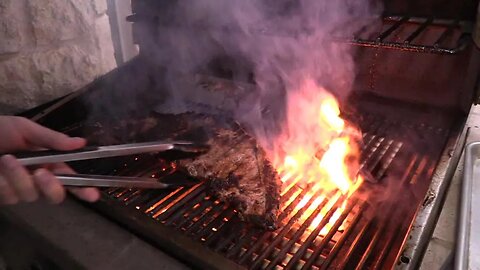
(286,42)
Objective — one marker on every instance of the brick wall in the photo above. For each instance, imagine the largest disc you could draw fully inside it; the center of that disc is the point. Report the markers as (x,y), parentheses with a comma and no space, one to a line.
(49,48)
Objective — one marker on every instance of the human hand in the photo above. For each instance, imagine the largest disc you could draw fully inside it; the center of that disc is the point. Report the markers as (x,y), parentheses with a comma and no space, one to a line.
(16,183)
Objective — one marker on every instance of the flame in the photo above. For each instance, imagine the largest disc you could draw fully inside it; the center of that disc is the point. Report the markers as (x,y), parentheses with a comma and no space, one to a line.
(318,152)
(334,166)
(317,144)
(330,113)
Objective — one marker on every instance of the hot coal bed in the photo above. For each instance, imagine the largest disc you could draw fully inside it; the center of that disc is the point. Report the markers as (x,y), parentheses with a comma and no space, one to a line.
(412,125)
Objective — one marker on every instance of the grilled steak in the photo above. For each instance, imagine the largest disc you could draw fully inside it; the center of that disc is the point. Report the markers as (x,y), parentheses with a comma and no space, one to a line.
(239,172)
(237,169)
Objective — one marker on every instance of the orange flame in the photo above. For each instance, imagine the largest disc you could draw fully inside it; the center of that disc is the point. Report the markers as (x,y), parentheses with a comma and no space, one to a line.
(334,166)
(317,143)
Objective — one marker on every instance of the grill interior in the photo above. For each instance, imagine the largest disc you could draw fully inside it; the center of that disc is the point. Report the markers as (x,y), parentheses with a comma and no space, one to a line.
(401,147)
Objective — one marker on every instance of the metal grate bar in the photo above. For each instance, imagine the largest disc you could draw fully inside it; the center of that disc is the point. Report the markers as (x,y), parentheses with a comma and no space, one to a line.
(239,247)
(131,197)
(314,199)
(371,245)
(299,232)
(336,248)
(153,208)
(121,192)
(419,170)
(392,28)
(353,246)
(383,148)
(193,204)
(419,30)
(448,32)
(176,204)
(289,206)
(386,164)
(211,226)
(198,207)
(379,259)
(284,214)
(230,236)
(309,242)
(287,211)
(145,198)
(219,223)
(208,216)
(409,170)
(284,229)
(372,150)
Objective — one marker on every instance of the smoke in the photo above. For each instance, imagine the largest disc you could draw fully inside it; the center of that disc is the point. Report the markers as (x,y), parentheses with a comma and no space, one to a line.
(285,43)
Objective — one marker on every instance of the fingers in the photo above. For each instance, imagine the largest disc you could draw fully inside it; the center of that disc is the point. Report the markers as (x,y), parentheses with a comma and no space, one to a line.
(16,184)
(49,186)
(87,194)
(18,179)
(60,168)
(7,194)
(37,135)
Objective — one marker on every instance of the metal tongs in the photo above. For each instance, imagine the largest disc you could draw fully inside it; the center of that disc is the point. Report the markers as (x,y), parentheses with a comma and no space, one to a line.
(48,156)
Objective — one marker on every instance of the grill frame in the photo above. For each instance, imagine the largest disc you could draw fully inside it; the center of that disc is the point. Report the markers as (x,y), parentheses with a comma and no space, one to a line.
(414,243)
(167,239)
(426,218)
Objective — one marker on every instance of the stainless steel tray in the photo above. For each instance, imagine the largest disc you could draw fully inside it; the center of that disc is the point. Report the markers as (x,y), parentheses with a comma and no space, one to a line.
(468,244)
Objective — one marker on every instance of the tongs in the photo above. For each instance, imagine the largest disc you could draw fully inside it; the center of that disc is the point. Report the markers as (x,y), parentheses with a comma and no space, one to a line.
(89,152)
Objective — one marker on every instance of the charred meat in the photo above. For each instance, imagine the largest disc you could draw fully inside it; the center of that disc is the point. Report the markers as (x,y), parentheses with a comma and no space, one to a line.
(239,173)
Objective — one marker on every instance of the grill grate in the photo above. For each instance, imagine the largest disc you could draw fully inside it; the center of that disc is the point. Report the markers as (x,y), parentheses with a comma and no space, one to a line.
(414,34)
(406,33)
(364,232)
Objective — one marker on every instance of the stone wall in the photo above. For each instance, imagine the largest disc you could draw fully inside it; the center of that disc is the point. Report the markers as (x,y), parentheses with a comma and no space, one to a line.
(49,48)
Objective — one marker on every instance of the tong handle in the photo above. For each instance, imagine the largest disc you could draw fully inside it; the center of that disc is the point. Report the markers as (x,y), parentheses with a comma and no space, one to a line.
(45,157)
(84,180)
(43,153)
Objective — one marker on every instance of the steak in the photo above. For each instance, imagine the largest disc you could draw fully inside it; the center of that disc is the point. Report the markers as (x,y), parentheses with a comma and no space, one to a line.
(236,168)
(239,173)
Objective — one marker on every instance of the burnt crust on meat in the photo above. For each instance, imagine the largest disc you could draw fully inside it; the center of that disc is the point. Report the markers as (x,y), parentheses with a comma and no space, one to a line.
(238,172)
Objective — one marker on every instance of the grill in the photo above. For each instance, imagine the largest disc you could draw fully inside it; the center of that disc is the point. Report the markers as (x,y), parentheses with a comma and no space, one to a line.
(412,121)
(417,35)
(317,230)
